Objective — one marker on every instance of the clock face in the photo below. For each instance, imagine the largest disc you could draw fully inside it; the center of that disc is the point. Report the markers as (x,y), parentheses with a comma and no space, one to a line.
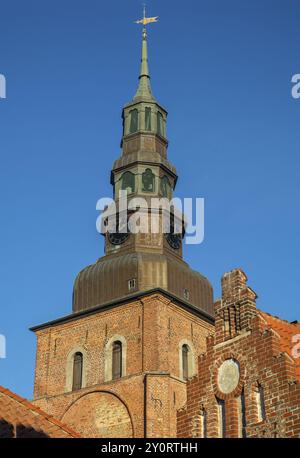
(117,238)
(174,240)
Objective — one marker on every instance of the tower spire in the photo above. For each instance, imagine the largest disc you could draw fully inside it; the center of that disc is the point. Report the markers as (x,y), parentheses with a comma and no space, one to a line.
(144,88)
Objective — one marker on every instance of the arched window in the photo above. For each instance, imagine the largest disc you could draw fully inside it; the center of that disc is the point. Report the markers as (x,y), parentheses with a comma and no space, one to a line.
(117,360)
(185,362)
(160,124)
(148,118)
(148,180)
(165,187)
(77,371)
(134,116)
(128,182)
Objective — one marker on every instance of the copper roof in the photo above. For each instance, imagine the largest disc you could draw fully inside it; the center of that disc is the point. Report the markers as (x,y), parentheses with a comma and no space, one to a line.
(107,280)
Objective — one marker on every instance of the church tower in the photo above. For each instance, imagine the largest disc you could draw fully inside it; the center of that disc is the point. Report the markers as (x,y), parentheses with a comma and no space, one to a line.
(117,366)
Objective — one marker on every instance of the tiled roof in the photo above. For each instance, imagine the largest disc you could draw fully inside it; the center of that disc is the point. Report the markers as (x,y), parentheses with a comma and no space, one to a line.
(286,331)
(20,418)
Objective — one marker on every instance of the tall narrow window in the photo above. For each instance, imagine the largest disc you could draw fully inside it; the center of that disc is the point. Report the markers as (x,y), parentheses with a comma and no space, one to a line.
(117,360)
(128,182)
(185,362)
(148,179)
(134,115)
(165,187)
(222,417)
(160,124)
(260,402)
(77,371)
(242,415)
(148,118)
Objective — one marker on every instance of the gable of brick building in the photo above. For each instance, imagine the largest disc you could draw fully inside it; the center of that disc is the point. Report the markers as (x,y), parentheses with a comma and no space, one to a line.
(262,346)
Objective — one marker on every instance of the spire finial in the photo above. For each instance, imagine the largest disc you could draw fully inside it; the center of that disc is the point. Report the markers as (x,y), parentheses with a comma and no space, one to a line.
(144,89)
(146,20)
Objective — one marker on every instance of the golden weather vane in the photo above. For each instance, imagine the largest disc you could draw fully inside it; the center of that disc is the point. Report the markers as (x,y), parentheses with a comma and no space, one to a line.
(146,20)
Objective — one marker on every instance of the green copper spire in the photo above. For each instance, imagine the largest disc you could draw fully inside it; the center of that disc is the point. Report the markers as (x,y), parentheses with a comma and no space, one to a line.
(144,63)
(144,90)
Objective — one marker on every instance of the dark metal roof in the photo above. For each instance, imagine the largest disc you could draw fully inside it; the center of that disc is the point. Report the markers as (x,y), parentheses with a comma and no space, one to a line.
(107,280)
(106,306)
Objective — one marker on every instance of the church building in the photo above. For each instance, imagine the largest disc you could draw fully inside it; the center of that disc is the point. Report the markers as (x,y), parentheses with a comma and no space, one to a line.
(146,351)
(117,366)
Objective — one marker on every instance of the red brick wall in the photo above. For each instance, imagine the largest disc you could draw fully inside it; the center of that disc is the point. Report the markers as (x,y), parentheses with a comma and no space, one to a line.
(243,335)
(153,328)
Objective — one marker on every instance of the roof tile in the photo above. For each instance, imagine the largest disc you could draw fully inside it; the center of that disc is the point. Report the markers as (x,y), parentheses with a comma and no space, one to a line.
(29,419)
(286,331)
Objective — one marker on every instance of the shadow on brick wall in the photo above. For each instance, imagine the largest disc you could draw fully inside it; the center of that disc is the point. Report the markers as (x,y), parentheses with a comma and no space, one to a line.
(9,431)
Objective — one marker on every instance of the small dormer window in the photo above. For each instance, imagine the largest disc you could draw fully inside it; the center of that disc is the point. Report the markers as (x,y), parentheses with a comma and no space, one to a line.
(132,284)
(160,124)
(148,119)
(134,116)
(186,294)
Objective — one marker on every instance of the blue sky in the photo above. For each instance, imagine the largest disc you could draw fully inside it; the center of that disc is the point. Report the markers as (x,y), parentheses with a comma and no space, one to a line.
(223,70)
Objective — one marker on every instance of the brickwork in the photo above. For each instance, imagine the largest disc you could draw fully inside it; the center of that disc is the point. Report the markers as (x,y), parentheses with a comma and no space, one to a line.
(99,414)
(268,384)
(146,399)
